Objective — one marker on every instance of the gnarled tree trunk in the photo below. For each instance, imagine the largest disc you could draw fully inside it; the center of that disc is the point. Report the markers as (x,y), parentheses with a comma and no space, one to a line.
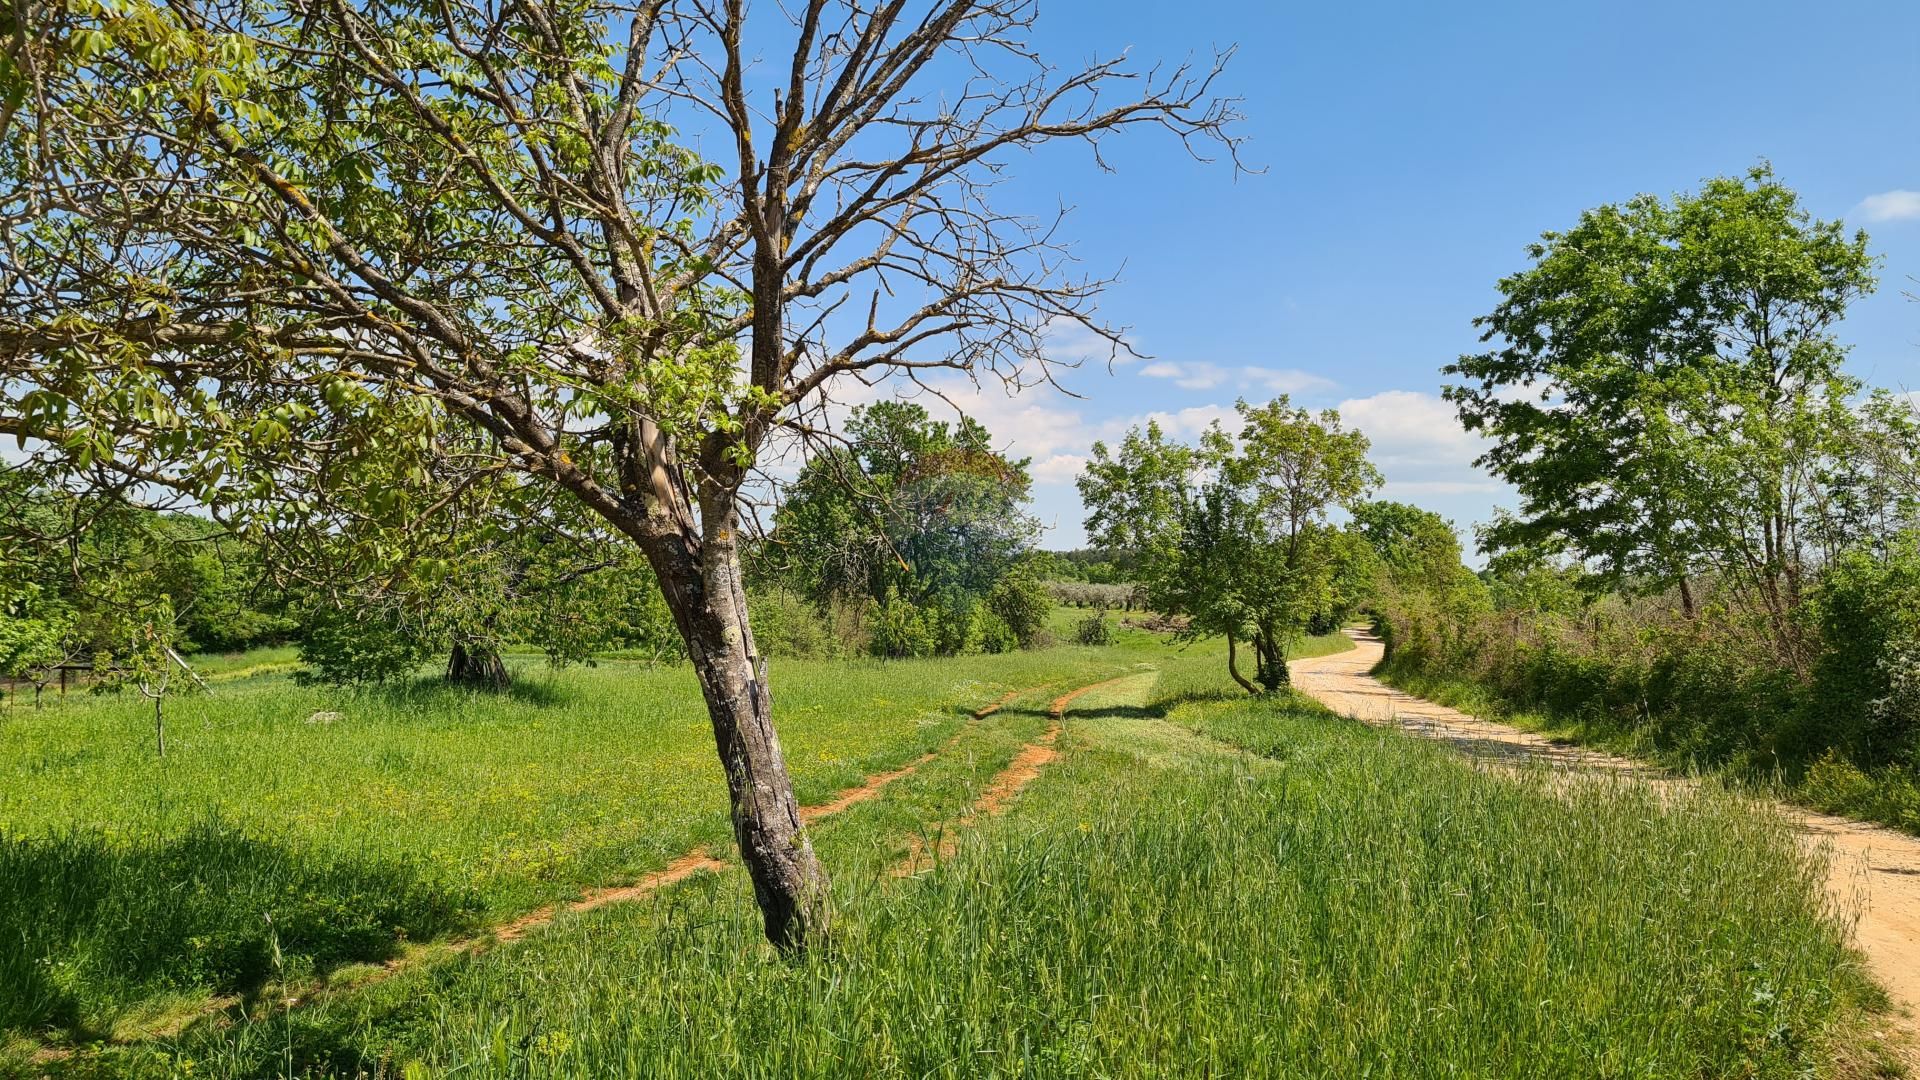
(1233,667)
(477,665)
(698,568)
(1272,674)
(709,604)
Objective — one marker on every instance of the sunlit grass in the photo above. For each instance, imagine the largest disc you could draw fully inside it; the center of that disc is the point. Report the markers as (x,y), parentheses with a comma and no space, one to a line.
(363,821)
(1201,886)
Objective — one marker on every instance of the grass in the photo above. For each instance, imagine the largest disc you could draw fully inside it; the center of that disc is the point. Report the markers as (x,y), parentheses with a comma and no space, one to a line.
(133,890)
(1201,885)
(1889,796)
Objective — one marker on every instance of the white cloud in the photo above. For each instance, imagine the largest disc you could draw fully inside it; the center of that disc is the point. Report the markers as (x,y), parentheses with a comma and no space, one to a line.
(1071,344)
(1199,375)
(1190,376)
(1058,469)
(1899,205)
(1419,446)
(1287,380)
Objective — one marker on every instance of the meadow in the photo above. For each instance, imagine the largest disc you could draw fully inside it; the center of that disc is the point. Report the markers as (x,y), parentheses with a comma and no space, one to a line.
(133,888)
(1201,884)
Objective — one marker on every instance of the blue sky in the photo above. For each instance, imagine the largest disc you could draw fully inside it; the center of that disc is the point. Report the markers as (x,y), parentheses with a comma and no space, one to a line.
(1411,151)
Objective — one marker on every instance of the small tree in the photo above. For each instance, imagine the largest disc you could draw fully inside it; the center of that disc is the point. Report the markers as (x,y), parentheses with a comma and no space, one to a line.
(1234,532)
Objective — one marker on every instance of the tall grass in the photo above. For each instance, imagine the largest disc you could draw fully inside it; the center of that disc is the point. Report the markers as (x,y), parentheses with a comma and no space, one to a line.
(1201,886)
(128,881)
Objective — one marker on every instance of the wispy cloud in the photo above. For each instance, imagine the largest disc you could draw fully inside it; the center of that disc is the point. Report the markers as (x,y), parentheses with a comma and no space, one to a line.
(1287,380)
(1190,376)
(1199,375)
(1899,205)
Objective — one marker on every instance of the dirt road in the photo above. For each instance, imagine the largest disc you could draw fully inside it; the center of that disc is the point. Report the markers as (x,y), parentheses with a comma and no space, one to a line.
(1874,874)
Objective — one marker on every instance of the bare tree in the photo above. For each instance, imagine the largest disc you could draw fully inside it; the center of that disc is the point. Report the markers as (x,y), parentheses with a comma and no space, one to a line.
(270,250)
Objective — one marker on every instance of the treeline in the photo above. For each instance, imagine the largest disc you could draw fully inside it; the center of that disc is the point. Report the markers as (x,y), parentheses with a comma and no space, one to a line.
(910,539)
(1717,554)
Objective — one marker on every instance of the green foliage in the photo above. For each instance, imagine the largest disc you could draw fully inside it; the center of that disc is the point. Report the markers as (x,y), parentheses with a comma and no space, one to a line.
(1234,533)
(912,504)
(1094,629)
(900,628)
(1666,392)
(351,647)
(1021,604)
(787,625)
(1867,679)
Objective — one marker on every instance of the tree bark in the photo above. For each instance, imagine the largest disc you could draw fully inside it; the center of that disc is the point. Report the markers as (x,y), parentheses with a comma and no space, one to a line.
(1233,668)
(477,665)
(789,883)
(1273,674)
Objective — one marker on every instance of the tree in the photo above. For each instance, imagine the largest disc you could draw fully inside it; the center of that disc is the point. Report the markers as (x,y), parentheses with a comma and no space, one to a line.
(1234,533)
(1666,387)
(274,252)
(911,505)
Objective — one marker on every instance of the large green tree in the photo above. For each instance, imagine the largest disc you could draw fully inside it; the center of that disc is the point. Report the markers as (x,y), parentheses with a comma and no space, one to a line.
(272,251)
(1665,389)
(909,505)
(1233,533)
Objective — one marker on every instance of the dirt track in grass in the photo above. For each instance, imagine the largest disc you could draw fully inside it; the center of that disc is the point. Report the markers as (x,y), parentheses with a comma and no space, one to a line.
(1873,873)
(693,862)
(1024,769)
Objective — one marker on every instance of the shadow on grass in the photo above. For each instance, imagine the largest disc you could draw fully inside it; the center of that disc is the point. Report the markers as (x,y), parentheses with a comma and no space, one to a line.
(90,926)
(436,693)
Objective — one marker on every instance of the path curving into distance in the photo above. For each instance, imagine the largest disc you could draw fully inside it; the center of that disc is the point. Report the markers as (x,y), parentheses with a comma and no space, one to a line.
(1873,874)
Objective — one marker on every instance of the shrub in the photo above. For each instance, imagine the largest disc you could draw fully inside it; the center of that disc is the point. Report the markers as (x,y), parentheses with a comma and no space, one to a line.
(348,647)
(995,635)
(953,619)
(899,628)
(1022,605)
(787,626)
(1094,629)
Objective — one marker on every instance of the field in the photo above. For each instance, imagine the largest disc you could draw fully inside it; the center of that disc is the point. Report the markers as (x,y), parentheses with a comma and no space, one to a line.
(1199,884)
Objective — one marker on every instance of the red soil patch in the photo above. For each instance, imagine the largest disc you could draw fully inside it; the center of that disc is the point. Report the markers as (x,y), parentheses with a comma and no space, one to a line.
(675,872)
(1024,769)
(873,785)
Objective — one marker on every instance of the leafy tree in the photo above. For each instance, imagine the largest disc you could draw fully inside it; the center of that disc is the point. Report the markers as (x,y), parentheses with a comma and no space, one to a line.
(1666,388)
(1234,532)
(910,504)
(281,255)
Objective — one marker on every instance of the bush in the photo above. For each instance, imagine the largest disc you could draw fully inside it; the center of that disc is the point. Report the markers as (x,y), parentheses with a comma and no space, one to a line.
(899,628)
(995,635)
(349,647)
(1022,604)
(786,626)
(953,619)
(1094,630)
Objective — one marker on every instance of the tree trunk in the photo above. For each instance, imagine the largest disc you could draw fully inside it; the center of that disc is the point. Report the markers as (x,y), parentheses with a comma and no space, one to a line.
(159,726)
(1686,598)
(477,665)
(1273,674)
(788,881)
(1233,668)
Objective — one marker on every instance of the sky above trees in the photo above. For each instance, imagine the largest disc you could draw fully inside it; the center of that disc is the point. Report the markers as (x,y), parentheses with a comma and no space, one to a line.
(1411,152)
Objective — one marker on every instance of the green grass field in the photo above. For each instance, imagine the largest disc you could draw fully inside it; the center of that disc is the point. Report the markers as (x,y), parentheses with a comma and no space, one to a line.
(1200,885)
